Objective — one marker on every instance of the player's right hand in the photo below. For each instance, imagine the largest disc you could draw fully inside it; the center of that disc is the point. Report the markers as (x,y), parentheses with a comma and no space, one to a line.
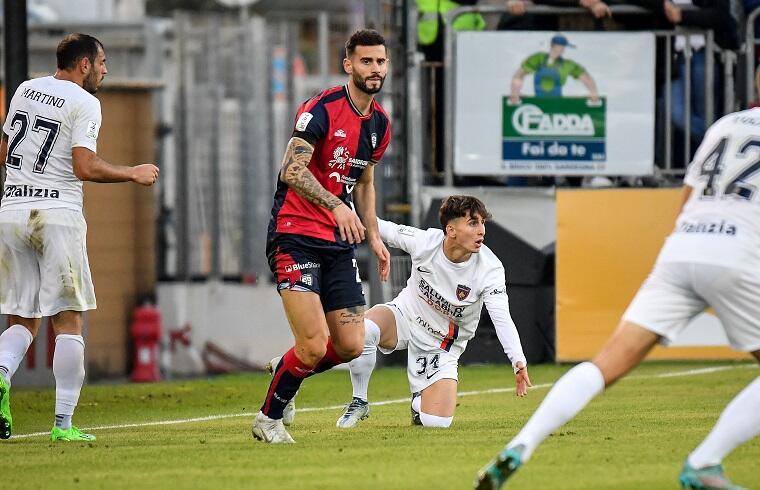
(145,174)
(349,224)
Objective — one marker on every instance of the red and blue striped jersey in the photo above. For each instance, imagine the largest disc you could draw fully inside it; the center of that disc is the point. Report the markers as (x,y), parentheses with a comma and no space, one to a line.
(345,142)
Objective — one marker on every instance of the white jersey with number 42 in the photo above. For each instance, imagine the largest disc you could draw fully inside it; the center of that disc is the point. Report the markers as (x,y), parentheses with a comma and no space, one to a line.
(46,119)
(720,223)
(442,300)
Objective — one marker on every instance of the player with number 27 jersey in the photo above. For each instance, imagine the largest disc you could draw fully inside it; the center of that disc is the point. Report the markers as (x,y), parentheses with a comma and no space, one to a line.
(47,118)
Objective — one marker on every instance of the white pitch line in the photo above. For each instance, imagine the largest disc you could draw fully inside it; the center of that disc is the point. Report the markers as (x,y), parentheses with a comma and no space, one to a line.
(690,372)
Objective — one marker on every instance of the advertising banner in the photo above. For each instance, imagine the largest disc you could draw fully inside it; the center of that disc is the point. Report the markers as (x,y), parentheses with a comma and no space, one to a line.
(575,103)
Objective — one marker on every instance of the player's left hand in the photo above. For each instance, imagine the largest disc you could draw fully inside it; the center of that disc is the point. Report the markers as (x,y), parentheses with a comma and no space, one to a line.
(383,258)
(522,380)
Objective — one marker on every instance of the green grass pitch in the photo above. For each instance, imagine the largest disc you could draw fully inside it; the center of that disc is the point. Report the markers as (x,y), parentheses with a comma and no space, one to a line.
(635,436)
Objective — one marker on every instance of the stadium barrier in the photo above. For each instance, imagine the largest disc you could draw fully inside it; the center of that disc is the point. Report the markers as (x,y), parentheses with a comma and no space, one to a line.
(607,242)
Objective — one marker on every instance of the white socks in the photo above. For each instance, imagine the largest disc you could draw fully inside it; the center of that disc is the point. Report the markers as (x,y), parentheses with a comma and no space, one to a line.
(14,343)
(417,404)
(68,369)
(362,367)
(434,420)
(739,422)
(567,397)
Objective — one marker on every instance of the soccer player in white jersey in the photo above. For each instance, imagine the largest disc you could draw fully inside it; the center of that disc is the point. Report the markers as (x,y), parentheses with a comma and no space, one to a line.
(49,146)
(712,258)
(437,313)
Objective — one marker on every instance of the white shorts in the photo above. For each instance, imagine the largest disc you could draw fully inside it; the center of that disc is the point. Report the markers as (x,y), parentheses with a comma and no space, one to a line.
(43,263)
(675,292)
(425,364)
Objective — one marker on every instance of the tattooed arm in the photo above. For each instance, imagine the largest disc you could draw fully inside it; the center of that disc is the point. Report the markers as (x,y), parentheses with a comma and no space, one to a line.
(297,176)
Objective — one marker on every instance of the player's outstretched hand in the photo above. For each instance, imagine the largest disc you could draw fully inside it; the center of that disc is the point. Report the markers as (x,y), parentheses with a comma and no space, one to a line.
(383,258)
(145,174)
(522,380)
(349,224)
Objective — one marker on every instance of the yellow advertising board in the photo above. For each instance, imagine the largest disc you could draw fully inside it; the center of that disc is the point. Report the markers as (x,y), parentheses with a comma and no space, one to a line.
(607,242)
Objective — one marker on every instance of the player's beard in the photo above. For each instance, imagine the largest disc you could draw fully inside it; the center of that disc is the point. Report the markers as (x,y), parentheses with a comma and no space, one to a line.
(361,84)
(91,83)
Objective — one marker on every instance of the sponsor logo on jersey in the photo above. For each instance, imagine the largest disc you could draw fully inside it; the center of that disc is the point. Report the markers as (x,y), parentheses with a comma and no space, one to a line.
(713,228)
(432,374)
(92,129)
(303,121)
(43,98)
(497,291)
(341,158)
(424,324)
(438,302)
(406,230)
(423,270)
(340,133)
(374,140)
(30,191)
(307,279)
(462,292)
(305,265)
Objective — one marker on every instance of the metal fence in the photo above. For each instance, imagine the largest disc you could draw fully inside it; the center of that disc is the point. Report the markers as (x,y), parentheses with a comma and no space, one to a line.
(664,157)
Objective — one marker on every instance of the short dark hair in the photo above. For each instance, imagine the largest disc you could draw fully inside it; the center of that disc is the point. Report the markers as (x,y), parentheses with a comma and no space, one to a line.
(74,47)
(454,207)
(363,37)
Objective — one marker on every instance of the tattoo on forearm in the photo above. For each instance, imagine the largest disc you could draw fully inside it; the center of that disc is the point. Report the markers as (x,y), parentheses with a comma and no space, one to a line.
(296,174)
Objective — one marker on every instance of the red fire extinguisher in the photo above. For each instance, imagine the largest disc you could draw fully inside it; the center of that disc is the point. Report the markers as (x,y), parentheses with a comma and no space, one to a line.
(146,333)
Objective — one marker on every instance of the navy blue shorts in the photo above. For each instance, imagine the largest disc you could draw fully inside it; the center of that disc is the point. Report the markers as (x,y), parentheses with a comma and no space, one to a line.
(304,263)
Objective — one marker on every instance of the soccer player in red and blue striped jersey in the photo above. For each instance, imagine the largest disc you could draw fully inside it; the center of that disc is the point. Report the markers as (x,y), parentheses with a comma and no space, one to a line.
(338,138)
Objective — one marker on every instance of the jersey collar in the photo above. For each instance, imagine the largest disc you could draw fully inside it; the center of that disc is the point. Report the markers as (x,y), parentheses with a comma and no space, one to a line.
(354,108)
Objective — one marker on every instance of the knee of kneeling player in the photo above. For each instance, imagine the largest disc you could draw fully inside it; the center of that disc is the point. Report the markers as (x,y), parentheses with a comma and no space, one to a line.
(435,421)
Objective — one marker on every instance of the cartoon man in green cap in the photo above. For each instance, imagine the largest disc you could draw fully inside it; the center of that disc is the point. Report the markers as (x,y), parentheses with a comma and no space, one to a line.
(550,71)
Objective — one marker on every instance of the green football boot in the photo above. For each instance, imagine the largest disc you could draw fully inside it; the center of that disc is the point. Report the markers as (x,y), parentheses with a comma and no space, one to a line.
(6,421)
(496,473)
(70,434)
(707,478)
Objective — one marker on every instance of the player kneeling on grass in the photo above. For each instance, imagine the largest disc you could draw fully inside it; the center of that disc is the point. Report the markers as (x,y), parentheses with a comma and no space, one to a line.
(710,259)
(436,314)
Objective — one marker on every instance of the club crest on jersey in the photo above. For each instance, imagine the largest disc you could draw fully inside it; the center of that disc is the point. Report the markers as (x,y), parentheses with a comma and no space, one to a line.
(462,292)
(374,140)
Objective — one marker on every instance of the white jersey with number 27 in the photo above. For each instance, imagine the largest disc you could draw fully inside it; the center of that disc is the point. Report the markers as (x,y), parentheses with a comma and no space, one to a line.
(46,119)
(442,300)
(720,223)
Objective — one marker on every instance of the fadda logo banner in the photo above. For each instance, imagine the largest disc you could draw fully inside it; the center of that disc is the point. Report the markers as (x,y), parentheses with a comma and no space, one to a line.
(571,103)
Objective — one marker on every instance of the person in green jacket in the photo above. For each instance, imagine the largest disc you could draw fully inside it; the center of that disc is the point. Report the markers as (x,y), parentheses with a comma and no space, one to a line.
(550,72)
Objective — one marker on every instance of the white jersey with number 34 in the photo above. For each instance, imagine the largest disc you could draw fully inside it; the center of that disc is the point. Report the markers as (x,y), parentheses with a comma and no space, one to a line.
(46,119)
(720,223)
(442,300)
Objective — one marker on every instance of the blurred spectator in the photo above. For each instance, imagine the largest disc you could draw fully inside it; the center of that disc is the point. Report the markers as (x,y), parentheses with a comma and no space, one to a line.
(431,18)
(517,18)
(712,14)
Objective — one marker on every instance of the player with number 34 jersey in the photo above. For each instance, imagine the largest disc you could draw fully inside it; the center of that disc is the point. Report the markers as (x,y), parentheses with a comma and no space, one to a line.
(453,275)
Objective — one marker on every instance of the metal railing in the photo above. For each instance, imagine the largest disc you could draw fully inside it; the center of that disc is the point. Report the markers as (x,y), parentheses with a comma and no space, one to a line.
(666,165)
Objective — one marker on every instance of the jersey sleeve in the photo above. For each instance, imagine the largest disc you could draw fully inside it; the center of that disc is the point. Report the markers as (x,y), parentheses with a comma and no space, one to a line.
(400,236)
(385,139)
(694,171)
(85,125)
(8,124)
(497,303)
(312,122)
(532,63)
